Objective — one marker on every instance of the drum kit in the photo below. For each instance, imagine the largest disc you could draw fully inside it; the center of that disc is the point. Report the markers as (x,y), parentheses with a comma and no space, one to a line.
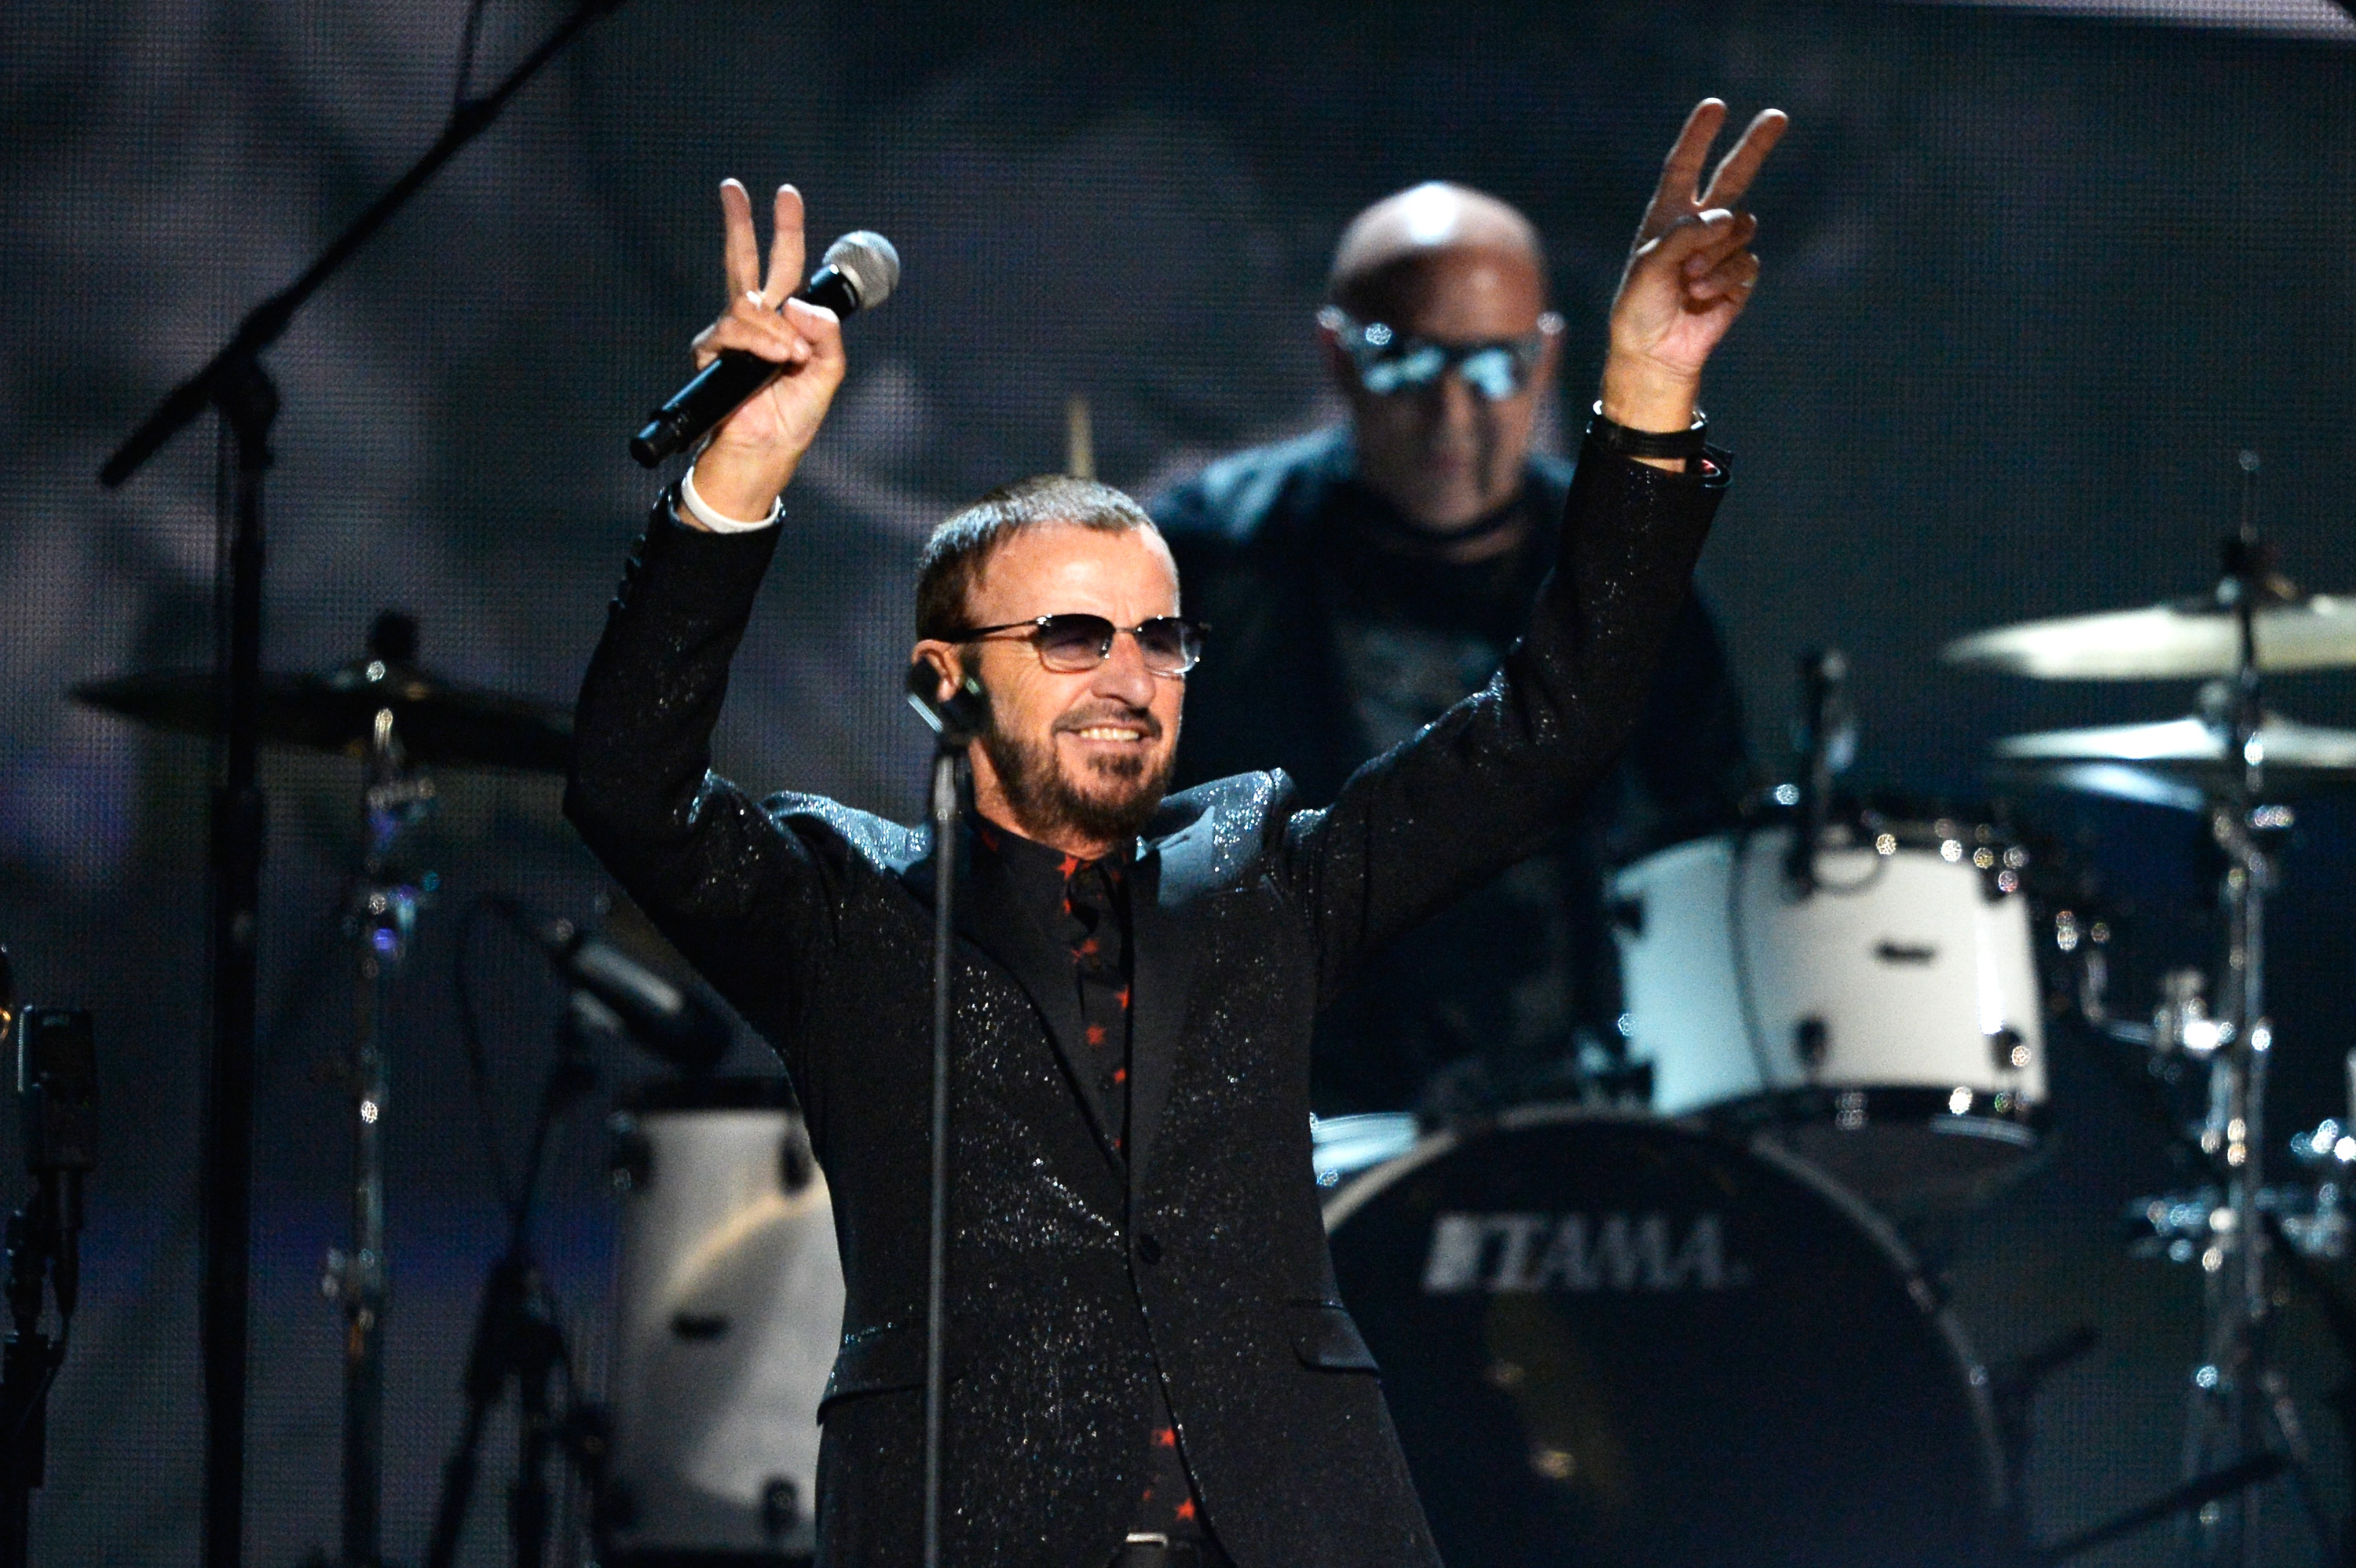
(1694,1332)
(1687,1332)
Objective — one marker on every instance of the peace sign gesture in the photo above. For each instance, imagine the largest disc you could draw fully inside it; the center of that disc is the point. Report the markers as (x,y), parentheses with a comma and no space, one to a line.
(754,452)
(1690,273)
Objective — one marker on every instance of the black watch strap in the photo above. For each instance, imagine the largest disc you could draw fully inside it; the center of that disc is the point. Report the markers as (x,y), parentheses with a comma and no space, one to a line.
(1690,443)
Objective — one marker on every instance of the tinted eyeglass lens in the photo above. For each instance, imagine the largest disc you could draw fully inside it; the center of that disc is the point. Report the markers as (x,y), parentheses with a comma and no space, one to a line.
(1070,643)
(1494,372)
(1170,645)
(1418,364)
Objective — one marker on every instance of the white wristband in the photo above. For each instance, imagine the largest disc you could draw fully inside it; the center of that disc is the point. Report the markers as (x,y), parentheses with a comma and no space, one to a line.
(713,520)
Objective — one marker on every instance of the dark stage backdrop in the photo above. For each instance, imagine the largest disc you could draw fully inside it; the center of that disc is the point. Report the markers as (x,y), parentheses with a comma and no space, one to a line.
(2030,283)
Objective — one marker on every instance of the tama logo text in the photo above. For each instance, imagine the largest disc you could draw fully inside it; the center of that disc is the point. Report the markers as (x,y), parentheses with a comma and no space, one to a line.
(1500,1253)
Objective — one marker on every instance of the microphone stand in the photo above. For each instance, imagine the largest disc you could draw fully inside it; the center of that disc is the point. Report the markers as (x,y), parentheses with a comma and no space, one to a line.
(1823,741)
(234,385)
(956,722)
(517,1337)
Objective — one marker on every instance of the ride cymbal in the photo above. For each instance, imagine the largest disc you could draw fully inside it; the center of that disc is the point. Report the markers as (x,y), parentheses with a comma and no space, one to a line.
(440,722)
(2190,639)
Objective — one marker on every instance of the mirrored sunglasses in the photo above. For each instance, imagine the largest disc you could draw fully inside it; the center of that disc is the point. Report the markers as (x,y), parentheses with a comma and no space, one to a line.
(1171,644)
(1390,362)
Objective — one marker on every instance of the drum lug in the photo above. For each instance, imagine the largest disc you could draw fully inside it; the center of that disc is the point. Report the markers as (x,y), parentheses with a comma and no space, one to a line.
(1812,1038)
(796,1165)
(630,1162)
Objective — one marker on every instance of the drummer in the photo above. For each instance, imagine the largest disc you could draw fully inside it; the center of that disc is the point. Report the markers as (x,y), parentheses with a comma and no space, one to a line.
(1366,577)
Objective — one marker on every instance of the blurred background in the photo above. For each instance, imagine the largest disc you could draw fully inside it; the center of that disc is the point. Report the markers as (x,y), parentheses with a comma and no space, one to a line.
(2033,277)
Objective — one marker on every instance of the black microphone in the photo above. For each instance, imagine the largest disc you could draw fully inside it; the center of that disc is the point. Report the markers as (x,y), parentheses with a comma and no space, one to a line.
(859,272)
(956,720)
(1826,741)
(679,1024)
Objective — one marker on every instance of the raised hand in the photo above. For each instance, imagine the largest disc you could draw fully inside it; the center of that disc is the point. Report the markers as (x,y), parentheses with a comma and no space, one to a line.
(754,452)
(1690,273)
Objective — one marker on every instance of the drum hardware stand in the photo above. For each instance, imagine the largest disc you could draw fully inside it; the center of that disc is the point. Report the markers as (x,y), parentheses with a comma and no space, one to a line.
(2196,1493)
(2236,1392)
(381,918)
(956,722)
(234,385)
(2012,1393)
(56,1083)
(518,1338)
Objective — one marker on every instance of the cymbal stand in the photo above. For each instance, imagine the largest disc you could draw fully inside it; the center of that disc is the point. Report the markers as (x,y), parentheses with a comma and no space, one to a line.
(2237,1394)
(381,920)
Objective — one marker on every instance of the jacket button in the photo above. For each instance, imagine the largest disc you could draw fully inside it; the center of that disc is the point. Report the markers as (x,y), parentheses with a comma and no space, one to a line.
(1149,1249)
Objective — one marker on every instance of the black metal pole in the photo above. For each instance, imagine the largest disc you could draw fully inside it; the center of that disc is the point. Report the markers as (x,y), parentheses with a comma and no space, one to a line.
(945,816)
(248,405)
(957,721)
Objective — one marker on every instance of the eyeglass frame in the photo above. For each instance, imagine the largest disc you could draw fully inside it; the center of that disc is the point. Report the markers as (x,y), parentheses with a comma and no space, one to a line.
(1368,343)
(1190,636)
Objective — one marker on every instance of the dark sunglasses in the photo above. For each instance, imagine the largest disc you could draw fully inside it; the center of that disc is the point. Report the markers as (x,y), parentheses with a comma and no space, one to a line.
(1389,362)
(1171,644)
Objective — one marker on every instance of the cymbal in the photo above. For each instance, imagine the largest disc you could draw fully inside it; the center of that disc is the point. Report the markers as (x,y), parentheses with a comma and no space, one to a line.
(2173,761)
(2190,639)
(440,722)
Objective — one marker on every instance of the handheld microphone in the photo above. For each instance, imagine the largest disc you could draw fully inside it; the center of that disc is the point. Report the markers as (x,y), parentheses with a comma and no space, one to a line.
(858,273)
(681,1025)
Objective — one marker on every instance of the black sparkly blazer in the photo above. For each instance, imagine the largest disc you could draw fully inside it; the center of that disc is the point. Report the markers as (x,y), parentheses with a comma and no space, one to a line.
(1071,1280)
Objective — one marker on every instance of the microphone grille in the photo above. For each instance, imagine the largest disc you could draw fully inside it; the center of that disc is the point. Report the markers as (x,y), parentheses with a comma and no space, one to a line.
(870,263)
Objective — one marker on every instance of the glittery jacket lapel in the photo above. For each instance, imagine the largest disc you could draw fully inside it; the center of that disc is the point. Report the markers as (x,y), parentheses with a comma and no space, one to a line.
(1172,871)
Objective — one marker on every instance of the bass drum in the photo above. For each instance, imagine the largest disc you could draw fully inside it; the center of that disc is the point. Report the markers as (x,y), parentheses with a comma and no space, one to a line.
(1610,1340)
(729,1311)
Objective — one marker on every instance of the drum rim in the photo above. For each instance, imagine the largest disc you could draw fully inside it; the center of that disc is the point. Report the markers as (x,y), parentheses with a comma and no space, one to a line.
(1930,1303)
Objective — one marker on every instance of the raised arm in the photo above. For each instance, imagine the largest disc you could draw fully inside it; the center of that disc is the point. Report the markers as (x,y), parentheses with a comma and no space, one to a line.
(1488,782)
(739,896)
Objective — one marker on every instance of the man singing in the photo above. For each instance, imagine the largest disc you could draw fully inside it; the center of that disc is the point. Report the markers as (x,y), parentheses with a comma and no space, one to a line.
(1364,577)
(1146,1361)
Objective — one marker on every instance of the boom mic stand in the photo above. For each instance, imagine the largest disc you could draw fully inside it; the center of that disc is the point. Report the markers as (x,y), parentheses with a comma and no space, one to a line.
(957,721)
(234,385)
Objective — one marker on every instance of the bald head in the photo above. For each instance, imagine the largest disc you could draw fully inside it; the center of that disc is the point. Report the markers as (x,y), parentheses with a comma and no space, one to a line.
(1385,267)
(1448,265)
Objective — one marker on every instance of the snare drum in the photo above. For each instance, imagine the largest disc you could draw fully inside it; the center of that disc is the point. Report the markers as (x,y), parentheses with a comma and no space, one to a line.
(729,1314)
(1888,1017)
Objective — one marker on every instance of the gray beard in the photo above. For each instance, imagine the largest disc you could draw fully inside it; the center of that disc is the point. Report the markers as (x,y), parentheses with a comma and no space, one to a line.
(1047,803)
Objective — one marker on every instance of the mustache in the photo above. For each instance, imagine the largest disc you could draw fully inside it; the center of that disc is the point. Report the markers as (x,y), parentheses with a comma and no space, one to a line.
(1140,718)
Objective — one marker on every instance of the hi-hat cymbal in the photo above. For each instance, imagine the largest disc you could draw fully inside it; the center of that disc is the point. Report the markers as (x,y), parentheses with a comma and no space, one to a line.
(440,722)
(2190,639)
(2174,762)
